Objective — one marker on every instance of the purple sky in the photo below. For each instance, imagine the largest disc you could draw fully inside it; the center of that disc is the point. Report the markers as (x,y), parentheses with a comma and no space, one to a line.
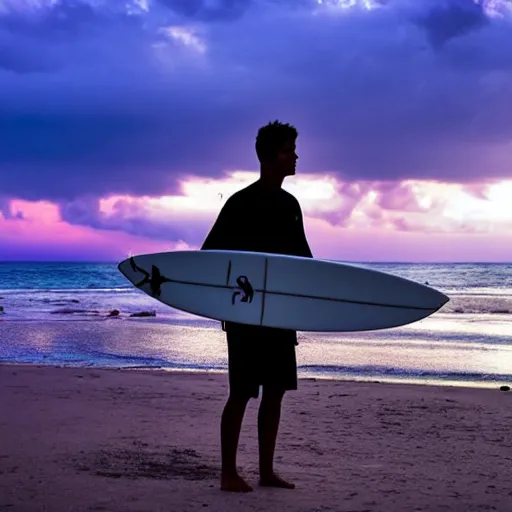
(104,98)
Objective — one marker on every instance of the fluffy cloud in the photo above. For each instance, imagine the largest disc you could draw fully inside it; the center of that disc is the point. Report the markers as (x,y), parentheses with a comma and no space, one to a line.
(411,206)
(114,97)
(165,220)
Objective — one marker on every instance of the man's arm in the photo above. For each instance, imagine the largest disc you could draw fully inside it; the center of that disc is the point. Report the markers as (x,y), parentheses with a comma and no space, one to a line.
(303,248)
(222,232)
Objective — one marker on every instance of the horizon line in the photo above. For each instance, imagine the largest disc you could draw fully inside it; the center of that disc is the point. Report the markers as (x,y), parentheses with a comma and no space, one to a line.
(374,262)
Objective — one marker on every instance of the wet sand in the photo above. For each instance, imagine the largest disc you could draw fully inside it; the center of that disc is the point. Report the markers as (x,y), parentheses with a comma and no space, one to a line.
(125,440)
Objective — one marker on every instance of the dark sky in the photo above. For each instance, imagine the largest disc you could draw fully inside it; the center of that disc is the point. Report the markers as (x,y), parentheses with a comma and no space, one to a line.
(98,98)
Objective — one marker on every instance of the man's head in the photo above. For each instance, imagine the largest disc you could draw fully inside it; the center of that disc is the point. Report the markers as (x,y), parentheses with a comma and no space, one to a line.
(275,147)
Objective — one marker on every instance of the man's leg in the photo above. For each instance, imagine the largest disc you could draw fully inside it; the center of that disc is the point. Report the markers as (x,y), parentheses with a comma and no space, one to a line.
(269,416)
(230,426)
(242,386)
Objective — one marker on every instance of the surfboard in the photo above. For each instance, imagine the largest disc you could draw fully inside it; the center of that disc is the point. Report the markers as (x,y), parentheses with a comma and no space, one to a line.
(287,292)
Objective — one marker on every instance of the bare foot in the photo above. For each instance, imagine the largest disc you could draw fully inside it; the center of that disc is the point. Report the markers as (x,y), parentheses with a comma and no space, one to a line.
(234,483)
(274,480)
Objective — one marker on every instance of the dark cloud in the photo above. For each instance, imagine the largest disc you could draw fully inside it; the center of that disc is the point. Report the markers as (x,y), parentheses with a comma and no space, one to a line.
(5,207)
(64,20)
(451,19)
(50,39)
(205,10)
(99,99)
(230,10)
(6,210)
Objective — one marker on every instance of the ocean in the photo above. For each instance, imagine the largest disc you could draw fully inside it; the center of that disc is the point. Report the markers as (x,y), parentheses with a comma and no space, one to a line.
(57,313)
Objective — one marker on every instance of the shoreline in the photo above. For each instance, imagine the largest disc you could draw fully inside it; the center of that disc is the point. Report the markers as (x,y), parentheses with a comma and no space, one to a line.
(86,439)
(468,385)
(395,357)
(222,375)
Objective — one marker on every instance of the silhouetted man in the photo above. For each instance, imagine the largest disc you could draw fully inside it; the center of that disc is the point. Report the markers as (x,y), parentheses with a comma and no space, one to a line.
(262,218)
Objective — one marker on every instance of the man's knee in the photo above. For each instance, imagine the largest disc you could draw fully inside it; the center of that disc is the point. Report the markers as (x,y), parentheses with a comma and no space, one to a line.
(239,397)
(273,395)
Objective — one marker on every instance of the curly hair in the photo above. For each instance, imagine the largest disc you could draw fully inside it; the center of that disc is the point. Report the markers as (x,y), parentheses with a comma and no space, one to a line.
(272,137)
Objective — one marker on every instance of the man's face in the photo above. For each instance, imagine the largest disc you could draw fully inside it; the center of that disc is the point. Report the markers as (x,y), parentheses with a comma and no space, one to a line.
(287,158)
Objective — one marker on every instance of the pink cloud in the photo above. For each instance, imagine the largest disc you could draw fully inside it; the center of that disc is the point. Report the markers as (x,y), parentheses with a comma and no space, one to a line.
(478,190)
(355,221)
(42,235)
(397,196)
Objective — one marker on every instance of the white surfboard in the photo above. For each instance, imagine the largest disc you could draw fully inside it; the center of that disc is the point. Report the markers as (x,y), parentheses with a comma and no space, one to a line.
(287,292)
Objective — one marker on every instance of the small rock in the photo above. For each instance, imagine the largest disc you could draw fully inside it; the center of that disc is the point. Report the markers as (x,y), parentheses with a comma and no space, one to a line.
(144,314)
(68,311)
(114,312)
(1,309)
(505,388)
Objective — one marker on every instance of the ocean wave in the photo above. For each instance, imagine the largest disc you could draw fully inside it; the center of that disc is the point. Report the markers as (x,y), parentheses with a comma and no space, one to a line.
(96,359)
(479,304)
(479,291)
(20,291)
(130,298)
(385,371)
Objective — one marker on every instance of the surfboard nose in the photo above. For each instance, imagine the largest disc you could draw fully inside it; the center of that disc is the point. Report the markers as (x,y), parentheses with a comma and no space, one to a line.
(442,298)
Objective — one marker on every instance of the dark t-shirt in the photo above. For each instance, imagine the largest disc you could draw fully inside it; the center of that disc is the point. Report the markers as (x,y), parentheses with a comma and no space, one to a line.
(256,219)
(260,220)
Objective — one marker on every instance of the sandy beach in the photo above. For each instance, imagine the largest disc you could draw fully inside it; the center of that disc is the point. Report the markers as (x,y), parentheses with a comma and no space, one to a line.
(128,440)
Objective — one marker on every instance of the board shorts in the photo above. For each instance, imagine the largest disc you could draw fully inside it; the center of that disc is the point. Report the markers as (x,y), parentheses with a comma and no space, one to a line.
(260,356)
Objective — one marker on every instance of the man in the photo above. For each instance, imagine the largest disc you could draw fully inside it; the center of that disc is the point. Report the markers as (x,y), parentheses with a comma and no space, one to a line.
(262,218)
